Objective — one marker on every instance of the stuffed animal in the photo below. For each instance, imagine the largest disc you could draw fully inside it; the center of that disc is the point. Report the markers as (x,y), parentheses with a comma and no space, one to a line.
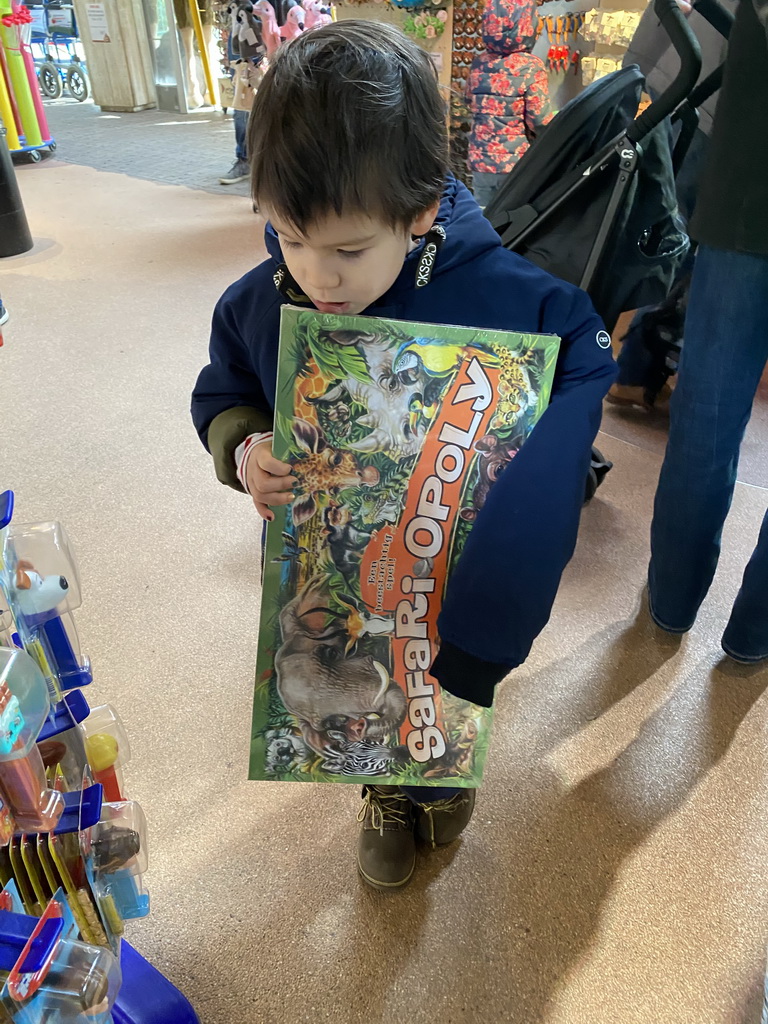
(294,23)
(270,33)
(245,31)
(315,14)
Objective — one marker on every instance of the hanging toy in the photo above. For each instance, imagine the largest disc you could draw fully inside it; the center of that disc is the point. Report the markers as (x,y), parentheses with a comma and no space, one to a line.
(315,15)
(270,34)
(294,23)
(246,32)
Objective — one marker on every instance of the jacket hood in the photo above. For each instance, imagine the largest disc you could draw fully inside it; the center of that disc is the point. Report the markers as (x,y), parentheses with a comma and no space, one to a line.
(467,235)
(509,26)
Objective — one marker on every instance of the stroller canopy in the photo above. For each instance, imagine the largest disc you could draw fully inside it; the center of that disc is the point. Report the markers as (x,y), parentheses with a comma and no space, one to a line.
(555,206)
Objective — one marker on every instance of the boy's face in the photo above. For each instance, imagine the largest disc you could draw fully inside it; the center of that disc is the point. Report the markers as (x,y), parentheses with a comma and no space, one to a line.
(344,264)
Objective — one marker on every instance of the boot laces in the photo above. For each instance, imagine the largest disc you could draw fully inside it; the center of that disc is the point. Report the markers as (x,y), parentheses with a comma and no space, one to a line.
(386,809)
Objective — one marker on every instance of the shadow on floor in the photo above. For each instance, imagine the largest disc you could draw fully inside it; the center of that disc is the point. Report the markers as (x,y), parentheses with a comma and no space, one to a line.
(568,854)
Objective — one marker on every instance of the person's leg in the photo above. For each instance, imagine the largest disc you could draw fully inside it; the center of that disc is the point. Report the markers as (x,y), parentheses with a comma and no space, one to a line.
(485,186)
(725,351)
(746,636)
(241,130)
(240,169)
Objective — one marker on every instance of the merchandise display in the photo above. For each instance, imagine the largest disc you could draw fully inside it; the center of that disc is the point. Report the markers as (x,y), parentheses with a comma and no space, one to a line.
(21,106)
(73,848)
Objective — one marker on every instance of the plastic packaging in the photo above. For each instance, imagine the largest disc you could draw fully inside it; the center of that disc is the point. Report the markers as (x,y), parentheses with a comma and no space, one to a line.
(107,750)
(116,850)
(24,707)
(42,587)
(45,548)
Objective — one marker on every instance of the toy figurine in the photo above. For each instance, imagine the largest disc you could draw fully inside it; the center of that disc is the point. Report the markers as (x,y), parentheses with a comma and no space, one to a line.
(35,595)
(114,847)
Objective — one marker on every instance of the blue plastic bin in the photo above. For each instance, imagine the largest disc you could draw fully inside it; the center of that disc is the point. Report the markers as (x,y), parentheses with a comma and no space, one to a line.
(146,996)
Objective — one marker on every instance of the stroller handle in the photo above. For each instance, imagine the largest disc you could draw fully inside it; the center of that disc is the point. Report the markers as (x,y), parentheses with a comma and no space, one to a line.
(688,50)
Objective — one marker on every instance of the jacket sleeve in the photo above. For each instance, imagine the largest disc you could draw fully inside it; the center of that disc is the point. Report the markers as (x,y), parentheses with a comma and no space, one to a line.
(501,592)
(228,401)
(538,110)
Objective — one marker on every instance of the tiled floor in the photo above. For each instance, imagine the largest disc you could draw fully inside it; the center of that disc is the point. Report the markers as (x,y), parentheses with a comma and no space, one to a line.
(173,149)
(615,870)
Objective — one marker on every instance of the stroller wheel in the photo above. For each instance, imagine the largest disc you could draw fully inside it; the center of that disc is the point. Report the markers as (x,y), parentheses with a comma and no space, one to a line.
(49,78)
(77,83)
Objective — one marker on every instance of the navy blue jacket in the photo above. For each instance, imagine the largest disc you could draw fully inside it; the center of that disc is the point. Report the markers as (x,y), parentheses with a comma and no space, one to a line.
(500,595)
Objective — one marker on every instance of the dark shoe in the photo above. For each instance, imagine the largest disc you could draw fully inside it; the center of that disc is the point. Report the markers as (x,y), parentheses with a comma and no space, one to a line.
(441,822)
(386,848)
(4,315)
(240,171)
(744,659)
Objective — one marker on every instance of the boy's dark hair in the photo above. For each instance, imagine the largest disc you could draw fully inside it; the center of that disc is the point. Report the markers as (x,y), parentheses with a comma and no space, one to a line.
(349,118)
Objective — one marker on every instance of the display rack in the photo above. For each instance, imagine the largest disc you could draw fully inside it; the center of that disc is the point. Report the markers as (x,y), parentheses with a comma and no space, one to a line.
(73,847)
(21,106)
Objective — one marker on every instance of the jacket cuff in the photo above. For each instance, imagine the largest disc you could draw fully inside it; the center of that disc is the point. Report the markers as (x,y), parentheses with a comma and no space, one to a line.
(229,429)
(466,676)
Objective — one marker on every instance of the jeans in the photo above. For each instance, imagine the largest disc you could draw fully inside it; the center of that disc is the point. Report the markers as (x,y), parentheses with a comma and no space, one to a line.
(485,186)
(725,353)
(429,794)
(241,129)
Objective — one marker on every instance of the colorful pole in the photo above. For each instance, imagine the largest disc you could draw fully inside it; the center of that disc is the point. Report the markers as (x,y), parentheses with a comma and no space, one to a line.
(6,75)
(194,10)
(34,88)
(9,39)
(7,113)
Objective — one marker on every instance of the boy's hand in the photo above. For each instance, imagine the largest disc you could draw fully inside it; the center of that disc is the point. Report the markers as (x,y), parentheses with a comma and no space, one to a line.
(268,481)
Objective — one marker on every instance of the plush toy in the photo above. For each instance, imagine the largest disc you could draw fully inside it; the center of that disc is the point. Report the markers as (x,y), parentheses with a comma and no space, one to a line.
(270,33)
(245,31)
(315,14)
(294,23)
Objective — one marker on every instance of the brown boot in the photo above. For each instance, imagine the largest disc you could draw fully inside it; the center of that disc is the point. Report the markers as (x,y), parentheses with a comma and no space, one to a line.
(636,396)
(386,847)
(439,823)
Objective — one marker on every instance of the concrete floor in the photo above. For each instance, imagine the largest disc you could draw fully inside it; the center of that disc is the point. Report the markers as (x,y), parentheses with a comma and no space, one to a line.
(175,149)
(615,870)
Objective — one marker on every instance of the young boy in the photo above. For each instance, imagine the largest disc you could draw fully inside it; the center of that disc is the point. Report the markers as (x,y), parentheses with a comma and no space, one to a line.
(349,163)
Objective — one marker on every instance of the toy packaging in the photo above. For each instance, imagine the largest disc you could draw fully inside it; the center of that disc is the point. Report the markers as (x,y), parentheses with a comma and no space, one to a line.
(396,432)
(73,847)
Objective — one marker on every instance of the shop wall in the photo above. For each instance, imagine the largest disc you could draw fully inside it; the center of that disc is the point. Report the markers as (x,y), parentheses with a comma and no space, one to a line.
(439,48)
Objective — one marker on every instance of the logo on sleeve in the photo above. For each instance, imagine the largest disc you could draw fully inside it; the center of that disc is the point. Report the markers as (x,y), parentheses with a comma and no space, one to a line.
(603,339)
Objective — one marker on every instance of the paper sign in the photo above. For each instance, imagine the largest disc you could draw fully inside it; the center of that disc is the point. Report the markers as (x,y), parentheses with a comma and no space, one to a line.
(97,22)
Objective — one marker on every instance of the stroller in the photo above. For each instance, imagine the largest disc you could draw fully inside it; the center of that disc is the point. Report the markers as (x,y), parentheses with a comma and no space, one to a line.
(593,200)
